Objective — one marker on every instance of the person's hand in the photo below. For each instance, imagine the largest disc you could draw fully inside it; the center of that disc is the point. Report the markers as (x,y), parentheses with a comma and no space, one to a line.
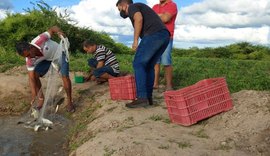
(60,33)
(135,45)
(55,29)
(87,78)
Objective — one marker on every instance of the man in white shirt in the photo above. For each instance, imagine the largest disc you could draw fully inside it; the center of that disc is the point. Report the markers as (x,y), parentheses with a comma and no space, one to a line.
(39,55)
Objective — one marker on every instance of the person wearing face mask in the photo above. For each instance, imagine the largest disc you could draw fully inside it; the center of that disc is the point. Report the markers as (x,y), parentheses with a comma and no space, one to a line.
(154,40)
(167,11)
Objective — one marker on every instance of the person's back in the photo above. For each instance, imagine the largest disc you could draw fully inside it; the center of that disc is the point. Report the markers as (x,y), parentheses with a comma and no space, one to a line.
(151,22)
(103,53)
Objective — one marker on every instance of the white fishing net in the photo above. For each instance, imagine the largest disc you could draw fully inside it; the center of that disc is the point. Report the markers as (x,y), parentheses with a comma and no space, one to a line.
(52,90)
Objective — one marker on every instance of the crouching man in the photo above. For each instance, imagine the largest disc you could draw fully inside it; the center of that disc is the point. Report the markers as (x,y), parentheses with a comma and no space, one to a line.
(39,54)
(103,65)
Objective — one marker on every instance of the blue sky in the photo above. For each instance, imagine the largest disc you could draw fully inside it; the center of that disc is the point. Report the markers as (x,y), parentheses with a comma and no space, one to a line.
(200,23)
(19,5)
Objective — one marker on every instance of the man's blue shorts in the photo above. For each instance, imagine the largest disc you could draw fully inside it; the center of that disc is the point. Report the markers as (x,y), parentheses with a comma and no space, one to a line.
(43,67)
(166,57)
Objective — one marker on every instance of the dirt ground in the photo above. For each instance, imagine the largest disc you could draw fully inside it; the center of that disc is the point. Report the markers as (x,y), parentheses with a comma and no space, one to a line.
(116,130)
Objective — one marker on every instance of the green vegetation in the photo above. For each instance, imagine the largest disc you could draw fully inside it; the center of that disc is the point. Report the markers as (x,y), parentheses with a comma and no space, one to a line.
(200,134)
(82,120)
(165,147)
(108,152)
(240,74)
(239,51)
(244,65)
(156,117)
(9,60)
(17,27)
(184,145)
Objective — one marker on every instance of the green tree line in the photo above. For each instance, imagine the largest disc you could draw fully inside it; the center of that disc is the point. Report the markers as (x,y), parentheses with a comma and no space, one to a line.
(17,27)
(24,27)
(238,51)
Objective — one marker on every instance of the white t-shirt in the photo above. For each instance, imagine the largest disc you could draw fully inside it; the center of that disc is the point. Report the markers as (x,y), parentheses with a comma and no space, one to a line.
(46,46)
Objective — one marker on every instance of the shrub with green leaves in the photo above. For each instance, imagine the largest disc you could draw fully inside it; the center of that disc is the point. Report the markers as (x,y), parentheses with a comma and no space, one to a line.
(17,27)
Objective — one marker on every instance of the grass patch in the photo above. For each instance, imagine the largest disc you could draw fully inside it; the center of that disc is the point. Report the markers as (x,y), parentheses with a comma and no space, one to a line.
(224,147)
(165,147)
(183,145)
(82,91)
(81,122)
(240,74)
(156,117)
(136,143)
(200,134)
(160,118)
(121,129)
(108,152)
(130,119)
(111,109)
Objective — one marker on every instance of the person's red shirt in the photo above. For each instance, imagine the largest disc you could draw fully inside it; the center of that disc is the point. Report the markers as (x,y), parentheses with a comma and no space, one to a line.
(171,8)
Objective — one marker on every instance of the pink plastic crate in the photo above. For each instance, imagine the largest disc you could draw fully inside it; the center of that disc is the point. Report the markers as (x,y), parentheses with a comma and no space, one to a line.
(123,88)
(199,101)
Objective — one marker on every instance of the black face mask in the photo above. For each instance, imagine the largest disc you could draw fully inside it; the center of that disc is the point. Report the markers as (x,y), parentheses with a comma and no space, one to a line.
(123,14)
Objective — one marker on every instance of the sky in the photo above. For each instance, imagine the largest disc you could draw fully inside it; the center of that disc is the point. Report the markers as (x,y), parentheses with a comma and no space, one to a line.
(200,23)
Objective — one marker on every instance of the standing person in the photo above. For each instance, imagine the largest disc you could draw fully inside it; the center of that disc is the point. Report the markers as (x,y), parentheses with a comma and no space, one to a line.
(154,40)
(104,65)
(167,11)
(39,54)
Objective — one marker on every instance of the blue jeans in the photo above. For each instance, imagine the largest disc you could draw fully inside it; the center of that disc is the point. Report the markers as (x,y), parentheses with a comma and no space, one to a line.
(100,71)
(148,52)
(166,57)
(43,67)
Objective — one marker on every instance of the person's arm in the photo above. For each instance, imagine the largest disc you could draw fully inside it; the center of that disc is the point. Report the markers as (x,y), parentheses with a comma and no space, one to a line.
(171,11)
(100,57)
(138,21)
(100,64)
(165,17)
(55,30)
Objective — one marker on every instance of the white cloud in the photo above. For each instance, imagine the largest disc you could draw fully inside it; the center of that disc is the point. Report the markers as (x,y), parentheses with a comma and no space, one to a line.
(151,3)
(227,13)
(203,34)
(208,22)
(114,37)
(100,17)
(225,21)
(2,14)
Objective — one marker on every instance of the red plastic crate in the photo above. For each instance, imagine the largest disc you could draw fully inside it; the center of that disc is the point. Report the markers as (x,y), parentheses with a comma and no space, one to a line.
(199,101)
(123,88)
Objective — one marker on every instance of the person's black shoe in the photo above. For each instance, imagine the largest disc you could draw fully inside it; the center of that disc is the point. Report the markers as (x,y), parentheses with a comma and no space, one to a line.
(137,103)
(150,101)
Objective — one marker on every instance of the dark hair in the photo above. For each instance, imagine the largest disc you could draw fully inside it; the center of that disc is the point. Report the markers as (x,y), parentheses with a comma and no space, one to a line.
(21,47)
(87,43)
(127,1)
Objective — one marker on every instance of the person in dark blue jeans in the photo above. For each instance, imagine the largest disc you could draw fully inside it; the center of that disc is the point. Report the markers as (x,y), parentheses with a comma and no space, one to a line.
(154,40)
(103,65)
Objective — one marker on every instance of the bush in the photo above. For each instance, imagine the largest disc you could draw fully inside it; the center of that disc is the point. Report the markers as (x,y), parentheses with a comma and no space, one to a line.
(17,27)
(240,51)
